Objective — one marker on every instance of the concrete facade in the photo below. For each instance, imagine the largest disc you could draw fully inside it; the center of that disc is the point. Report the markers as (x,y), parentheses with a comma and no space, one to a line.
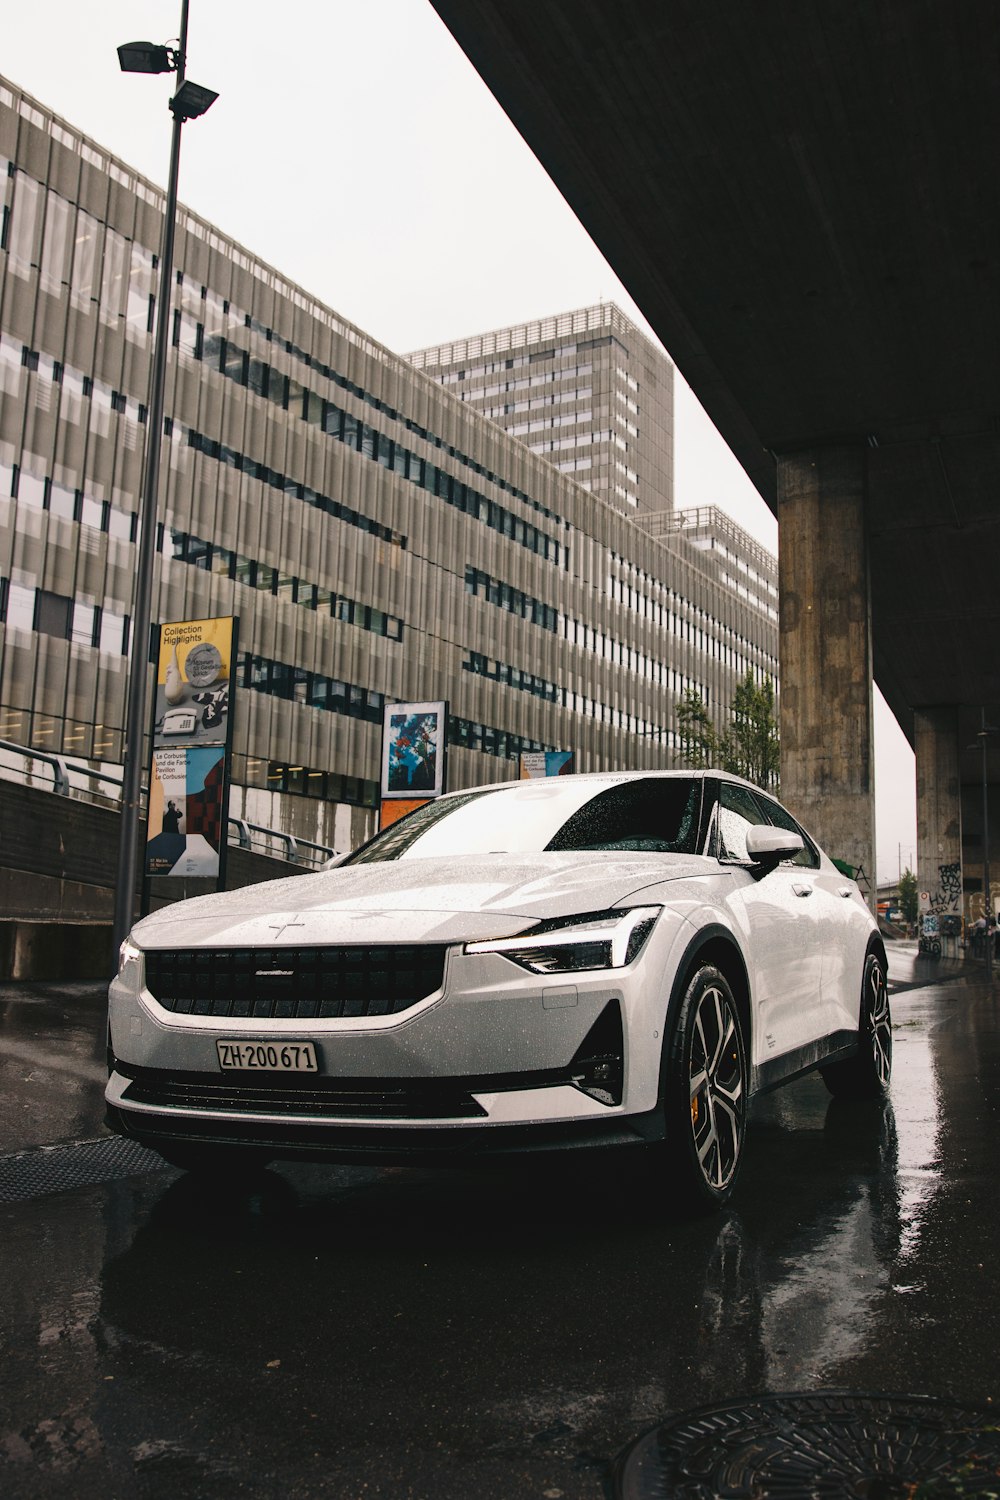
(733,557)
(827,755)
(939,808)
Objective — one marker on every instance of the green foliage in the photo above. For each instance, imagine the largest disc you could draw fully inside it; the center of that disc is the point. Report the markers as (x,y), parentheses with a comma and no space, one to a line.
(699,738)
(909,896)
(753,736)
(748,746)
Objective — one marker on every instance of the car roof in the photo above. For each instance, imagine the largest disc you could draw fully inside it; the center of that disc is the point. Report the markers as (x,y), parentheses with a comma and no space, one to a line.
(615,778)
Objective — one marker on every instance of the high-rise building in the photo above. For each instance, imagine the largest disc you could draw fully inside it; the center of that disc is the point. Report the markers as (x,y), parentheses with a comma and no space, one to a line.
(379,539)
(586,390)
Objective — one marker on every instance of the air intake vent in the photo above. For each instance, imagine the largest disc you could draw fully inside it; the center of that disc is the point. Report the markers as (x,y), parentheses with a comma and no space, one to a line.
(294,983)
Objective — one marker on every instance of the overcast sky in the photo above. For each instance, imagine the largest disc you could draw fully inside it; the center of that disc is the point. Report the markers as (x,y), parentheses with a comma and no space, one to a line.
(355,149)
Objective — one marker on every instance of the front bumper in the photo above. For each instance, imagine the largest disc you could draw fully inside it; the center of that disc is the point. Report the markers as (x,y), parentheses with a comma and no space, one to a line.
(404,1144)
(493,1062)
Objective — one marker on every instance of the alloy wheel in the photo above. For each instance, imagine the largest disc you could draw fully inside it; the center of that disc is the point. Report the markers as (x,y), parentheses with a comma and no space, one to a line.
(879,1023)
(716,1088)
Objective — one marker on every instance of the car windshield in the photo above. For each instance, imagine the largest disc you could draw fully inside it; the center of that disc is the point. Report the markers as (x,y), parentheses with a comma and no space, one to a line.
(646,814)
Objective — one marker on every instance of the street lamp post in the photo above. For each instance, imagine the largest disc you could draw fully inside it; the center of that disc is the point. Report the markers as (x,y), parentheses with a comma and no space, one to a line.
(984,733)
(189,101)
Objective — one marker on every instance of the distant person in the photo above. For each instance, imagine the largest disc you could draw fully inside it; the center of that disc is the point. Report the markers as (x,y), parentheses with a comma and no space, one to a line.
(171,818)
(979,937)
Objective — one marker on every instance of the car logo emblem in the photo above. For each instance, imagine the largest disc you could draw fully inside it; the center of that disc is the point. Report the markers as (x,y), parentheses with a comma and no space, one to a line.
(278,927)
(271,973)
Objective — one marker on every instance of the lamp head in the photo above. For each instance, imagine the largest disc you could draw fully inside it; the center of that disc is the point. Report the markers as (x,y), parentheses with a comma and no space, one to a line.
(146,57)
(192,100)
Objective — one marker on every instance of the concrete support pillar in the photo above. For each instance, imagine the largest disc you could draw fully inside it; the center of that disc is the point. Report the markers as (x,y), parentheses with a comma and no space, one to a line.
(827,754)
(939,807)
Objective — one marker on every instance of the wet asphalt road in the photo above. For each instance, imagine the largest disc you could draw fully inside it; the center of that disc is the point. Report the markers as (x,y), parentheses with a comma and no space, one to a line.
(350,1333)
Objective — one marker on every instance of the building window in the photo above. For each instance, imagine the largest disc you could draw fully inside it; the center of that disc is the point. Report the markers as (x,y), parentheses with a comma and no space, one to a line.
(30,490)
(21,235)
(113,633)
(57,245)
(53,614)
(86,624)
(121,525)
(62,501)
(85,259)
(17,607)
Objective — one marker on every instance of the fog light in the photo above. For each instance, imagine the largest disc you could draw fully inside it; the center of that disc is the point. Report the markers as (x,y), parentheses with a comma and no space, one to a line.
(598,1069)
(601,1078)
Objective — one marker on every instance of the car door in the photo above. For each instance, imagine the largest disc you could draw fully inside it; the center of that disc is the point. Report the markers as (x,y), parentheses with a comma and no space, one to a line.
(778,912)
(843,931)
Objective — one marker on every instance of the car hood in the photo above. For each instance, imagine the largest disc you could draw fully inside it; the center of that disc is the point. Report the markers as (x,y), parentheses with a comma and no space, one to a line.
(417,900)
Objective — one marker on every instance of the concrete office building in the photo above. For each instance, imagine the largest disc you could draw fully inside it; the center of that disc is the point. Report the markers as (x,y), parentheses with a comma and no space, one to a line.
(587,390)
(379,538)
(728,554)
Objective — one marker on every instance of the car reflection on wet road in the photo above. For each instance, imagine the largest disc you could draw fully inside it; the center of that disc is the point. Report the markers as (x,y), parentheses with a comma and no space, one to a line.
(343,1332)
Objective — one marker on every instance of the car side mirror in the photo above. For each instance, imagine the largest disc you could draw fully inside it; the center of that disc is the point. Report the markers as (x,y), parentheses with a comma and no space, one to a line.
(768,846)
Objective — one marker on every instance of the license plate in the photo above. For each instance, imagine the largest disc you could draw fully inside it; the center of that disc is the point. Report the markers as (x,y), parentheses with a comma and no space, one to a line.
(268,1057)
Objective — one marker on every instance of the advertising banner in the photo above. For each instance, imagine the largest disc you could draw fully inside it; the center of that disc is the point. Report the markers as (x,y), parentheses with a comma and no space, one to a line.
(413,750)
(413,757)
(546,763)
(192,683)
(187,806)
(188,820)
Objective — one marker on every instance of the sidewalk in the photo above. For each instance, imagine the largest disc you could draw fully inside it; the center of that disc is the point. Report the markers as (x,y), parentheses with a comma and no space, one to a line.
(53,1063)
(910,969)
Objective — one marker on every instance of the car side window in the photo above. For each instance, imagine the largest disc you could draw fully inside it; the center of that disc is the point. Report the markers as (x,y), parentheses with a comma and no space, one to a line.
(738,812)
(809,855)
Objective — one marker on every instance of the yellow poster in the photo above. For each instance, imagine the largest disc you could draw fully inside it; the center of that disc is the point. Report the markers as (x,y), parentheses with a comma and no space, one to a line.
(192,683)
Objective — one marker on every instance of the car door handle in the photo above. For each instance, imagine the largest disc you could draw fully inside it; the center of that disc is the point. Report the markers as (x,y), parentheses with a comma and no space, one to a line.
(845,891)
(802,890)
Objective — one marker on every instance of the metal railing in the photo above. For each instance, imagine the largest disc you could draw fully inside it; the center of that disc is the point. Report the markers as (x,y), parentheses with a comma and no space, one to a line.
(70,779)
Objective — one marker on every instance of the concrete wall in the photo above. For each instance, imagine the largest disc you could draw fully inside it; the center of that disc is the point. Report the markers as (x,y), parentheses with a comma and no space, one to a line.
(58,861)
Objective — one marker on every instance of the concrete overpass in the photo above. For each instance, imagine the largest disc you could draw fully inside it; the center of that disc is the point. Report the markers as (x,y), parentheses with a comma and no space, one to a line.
(803,198)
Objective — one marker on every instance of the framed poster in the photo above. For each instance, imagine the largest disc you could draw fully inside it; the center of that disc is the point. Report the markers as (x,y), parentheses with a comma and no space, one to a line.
(546,763)
(192,683)
(413,750)
(186,828)
(188,821)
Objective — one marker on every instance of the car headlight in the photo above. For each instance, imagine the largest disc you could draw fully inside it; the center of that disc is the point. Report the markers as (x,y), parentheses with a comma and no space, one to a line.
(593,940)
(130,964)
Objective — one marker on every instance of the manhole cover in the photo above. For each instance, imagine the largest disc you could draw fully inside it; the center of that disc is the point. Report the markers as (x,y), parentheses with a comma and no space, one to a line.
(58,1169)
(817,1446)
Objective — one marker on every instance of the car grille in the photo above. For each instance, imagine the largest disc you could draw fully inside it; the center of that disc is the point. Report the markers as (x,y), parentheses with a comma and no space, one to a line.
(294,983)
(315,1098)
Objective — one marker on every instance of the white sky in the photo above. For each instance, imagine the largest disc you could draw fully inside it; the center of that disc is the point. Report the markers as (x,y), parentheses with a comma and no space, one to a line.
(354,148)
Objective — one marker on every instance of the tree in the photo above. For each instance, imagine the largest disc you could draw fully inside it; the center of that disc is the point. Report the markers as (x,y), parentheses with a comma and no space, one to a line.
(909,896)
(700,746)
(754,750)
(749,747)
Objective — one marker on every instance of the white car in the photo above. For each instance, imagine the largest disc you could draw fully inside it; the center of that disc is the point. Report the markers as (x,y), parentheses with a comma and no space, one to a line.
(617,960)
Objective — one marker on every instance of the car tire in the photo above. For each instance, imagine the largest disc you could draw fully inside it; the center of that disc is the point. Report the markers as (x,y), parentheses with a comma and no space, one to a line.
(224,1162)
(866,1075)
(706,1092)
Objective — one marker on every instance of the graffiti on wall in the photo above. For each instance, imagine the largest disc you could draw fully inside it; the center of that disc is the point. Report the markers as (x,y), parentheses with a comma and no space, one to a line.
(948,896)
